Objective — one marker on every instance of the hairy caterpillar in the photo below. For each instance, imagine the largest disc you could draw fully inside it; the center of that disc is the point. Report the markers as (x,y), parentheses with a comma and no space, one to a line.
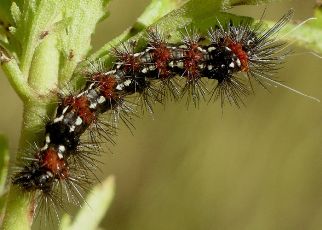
(151,72)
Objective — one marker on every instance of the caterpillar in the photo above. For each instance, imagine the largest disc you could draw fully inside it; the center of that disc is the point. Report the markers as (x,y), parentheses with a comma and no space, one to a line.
(232,55)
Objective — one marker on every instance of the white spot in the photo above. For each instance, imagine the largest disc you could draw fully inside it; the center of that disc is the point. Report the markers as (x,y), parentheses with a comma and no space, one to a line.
(72,129)
(78,121)
(60,156)
(118,66)
(227,48)
(232,65)
(120,86)
(202,50)
(93,105)
(238,62)
(222,66)
(152,67)
(49,174)
(171,64)
(127,82)
(144,70)
(145,59)
(61,149)
(183,47)
(47,138)
(201,66)
(58,119)
(249,42)
(101,100)
(137,54)
(180,64)
(211,48)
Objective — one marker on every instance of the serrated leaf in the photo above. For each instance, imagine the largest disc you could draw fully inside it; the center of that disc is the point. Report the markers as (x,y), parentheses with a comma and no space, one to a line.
(74,42)
(37,16)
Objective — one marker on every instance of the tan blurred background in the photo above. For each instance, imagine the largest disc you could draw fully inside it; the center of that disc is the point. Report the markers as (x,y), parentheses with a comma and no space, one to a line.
(258,167)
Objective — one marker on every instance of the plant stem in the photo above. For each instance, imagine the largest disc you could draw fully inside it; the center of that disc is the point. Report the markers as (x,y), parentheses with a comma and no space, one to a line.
(16,78)
(17,214)
(17,209)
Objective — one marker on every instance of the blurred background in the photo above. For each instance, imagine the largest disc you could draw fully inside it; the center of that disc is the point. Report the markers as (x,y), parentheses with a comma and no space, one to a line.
(257,167)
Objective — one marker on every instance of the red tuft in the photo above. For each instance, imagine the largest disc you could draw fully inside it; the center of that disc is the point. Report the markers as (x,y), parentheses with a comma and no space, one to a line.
(237,49)
(81,106)
(51,160)
(192,58)
(162,55)
(107,85)
(130,63)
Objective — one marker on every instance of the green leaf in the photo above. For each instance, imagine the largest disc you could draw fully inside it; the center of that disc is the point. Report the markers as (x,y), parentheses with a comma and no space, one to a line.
(192,13)
(318,16)
(97,203)
(44,38)
(44,28)
(15,12)
(5,20)
(45,66)
(5,11)
(74,41)
(154,11)
(307,35)
(35,19)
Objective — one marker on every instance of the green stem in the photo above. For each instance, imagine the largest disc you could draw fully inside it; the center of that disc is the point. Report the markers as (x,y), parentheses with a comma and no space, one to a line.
(17,214)
(42,78)
(16,78)
(4,163)
(17,209)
